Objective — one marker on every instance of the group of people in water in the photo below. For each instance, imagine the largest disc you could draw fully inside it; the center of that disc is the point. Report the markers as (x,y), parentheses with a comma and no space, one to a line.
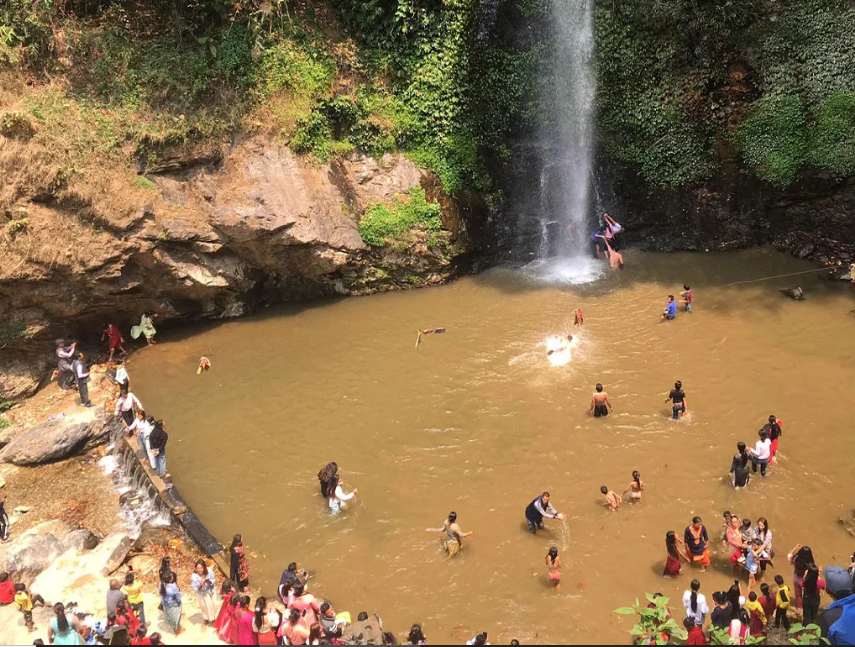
(740,611)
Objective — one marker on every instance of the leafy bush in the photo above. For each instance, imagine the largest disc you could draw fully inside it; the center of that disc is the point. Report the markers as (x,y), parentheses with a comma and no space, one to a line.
(17,226)
(654,625)
(833,140)
(382,225)
(774,138)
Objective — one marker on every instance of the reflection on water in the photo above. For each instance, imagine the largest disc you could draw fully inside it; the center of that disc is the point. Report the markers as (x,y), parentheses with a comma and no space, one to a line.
(478,421)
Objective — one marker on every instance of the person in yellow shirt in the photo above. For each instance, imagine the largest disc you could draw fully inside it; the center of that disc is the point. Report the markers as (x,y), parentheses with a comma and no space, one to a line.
(24,602)
(133,589)
(756,613)
(782,600)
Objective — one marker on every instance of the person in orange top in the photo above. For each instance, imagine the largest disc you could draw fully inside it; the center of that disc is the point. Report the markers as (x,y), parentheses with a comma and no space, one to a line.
(295,630)
(697,540)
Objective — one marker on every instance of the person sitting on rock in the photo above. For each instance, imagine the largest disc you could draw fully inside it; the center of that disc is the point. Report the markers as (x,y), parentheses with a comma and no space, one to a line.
(7,590)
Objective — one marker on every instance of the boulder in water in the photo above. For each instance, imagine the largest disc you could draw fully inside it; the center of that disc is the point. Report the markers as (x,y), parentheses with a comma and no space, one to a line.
(59,439)
(796,294)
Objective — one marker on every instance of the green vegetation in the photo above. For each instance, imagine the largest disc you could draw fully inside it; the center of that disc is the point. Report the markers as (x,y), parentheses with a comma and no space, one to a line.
(11,331)
(391,225)
(679,78)
(653,622)
(145,183)
(17,226)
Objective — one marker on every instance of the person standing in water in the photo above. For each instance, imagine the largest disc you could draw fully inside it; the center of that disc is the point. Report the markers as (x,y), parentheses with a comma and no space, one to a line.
(739,467)
(775,429)
(612,501)
(688,297)
(453,535)
(337,497)
(677,398)
(670,312)
(761,453)
(325,476)
(672,563)
(697,540)
(537,510)
(635,487)
(601,405)
(553,564)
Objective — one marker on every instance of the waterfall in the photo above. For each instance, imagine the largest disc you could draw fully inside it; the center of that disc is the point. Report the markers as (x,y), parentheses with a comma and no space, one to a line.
(568,93)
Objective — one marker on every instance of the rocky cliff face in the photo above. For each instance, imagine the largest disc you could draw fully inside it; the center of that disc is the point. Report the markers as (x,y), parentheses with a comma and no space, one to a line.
(215,233)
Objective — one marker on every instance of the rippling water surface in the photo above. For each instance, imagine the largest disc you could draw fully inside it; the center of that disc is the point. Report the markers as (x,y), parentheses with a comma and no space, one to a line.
(477,420)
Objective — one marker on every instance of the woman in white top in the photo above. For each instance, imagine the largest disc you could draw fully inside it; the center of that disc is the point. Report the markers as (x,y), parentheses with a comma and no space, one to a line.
(696,604)
(337,495)
(142,428)
(125,406)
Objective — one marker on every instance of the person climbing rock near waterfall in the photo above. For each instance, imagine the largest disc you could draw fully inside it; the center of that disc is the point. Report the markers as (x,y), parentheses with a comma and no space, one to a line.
(537,510)
(612,231)
(598,243)
(601,405)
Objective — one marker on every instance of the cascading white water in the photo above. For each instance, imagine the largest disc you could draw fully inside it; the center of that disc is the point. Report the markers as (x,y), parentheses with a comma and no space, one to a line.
(568,92)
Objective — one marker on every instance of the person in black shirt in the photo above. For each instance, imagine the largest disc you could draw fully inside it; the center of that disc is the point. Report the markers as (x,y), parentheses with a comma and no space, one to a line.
(4,523)
(739,467)
(677,397)
(723,612)
(157,442)
(774,428)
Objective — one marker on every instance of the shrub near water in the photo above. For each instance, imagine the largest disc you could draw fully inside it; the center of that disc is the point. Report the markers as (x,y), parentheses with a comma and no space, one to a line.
(382,225)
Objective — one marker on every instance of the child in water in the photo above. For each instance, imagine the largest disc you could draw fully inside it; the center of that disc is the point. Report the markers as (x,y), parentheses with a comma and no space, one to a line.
(553,563)
(612,501)
(687,297)
(635,488)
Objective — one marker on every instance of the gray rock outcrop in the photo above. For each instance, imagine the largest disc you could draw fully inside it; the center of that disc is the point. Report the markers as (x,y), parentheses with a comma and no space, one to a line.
(58,439)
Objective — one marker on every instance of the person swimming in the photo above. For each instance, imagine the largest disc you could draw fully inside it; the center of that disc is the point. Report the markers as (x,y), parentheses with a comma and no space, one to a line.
(559,344)
(612,501)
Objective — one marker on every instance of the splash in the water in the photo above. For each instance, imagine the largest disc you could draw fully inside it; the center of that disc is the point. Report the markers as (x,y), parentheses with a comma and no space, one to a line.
(565,271)
(559,350)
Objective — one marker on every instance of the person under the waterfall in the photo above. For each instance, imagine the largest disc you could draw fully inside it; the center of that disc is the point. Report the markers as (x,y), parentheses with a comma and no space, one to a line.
(670,312)
(601,404)
(612,231)
(598,243)
(454,536)
(537,510)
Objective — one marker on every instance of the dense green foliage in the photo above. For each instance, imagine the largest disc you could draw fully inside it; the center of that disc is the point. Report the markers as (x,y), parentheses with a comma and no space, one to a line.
(679,78)
(384,225)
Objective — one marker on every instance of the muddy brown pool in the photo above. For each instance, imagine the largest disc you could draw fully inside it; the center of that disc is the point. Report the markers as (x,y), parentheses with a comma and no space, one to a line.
(479,422)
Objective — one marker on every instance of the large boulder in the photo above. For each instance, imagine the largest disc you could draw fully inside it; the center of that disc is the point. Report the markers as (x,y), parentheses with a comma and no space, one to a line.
(34,551)
(59,439)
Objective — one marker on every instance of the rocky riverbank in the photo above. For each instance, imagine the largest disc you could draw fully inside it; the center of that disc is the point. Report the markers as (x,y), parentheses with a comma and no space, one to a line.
(69,533)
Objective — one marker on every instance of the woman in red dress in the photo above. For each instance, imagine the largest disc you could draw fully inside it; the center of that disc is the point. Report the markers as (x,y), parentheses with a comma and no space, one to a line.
(226,617)
(672,564)
(114,337)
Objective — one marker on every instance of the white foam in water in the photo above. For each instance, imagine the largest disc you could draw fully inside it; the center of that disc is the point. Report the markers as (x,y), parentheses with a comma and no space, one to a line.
(562,270)
(559,350)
